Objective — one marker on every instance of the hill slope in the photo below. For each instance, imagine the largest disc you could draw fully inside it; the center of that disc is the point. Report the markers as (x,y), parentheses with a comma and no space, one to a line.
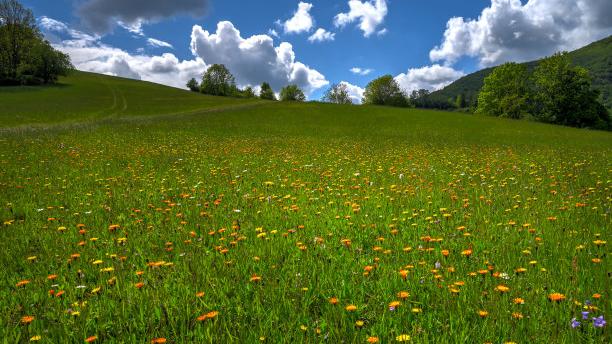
(90,96)
(595,57)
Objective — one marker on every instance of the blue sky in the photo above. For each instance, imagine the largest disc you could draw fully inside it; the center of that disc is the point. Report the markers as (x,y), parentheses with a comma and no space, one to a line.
(424,44)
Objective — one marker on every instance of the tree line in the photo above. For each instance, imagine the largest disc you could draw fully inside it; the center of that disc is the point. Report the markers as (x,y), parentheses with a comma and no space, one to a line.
(26,58)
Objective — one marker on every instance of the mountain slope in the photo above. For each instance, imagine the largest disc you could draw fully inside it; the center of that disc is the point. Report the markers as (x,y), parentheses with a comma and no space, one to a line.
(88,96)
(595,57)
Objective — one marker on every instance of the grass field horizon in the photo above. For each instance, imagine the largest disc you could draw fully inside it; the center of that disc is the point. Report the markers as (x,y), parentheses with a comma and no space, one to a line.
(136,212)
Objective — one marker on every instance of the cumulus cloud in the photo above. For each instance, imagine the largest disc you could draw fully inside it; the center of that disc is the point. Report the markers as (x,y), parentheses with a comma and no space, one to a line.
(369,14)
(88,53)
(100,15)
(255,59)
(321,35)
(355,92)
(509,30)
(361,71)
(301,21)
(431,78)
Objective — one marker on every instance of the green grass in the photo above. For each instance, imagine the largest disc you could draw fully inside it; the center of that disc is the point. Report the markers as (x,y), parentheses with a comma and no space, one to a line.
(281,187)
(88,96)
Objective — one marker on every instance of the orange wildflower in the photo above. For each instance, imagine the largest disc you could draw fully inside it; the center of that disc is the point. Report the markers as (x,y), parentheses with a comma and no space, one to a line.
(556,297)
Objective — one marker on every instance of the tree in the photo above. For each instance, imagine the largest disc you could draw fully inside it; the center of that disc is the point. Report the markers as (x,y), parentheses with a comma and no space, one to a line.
(248,92)
(564,94)
(193,85)
(25,57)
(266,92)
(17,31)
(292,93)
(337,94)
(384,91)
(218,81)
(506,92)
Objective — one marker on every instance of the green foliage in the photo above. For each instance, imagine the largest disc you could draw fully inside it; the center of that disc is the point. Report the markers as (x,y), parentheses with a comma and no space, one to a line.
(506,92)
(563,94)
(218,81)
(292,93)
(193,85)
(337,94)
(266,92)
(248,92)
(595,57)
(384,91)
(25,58)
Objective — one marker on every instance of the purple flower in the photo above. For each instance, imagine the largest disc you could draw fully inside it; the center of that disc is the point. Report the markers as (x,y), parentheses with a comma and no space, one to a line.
(585,315)
(391,308)
(575,323)
(599,321)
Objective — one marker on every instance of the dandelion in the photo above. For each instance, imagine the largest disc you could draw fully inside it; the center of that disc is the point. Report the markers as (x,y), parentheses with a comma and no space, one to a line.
(255,278)
(27,319)
(372,340)
(359,323)
(403,294)
(158,341)
(333,300)
(351,308)
(91,339)
(518,301)
(403,338)
(139,285)
(556,297)
(393,305)
(22,283)
(199,294)
(35,338)
(483,313)
(517,315)
(502,288)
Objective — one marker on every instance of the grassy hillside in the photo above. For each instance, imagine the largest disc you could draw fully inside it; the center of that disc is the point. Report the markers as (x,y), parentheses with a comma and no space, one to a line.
(595,57)
(93,96)
(300,223)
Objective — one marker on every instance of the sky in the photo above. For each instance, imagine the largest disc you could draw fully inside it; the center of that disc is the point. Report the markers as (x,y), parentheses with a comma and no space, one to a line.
(315,43)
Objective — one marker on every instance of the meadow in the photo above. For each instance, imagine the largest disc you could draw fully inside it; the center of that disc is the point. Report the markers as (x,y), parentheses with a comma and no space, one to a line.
(183,218)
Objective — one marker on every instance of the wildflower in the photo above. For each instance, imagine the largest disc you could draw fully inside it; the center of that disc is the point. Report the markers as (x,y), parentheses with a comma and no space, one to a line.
(35,338)
(518,301)
(599,321)
(91,339)
(556,297)
(255,278)
(333,300)
(393,305)
(372,340)
(517,315)
(209,315)
(22,283)
(158,341)
(27,319)
(585,315)
(417,310)
(403,294)
(139,285)
(199,294)
(359,323)
(575,323)
(502,288)
(483,313)
(403,338)
(351,308)
(467,253)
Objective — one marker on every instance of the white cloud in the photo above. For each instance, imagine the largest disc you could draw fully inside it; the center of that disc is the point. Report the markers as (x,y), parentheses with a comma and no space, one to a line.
(273,33)
(88,53)
(431,78)
(509,30)
(370,15)
(355,92)
(322,35)
(361,71)
(255,59)
(156,43)
(301,21)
